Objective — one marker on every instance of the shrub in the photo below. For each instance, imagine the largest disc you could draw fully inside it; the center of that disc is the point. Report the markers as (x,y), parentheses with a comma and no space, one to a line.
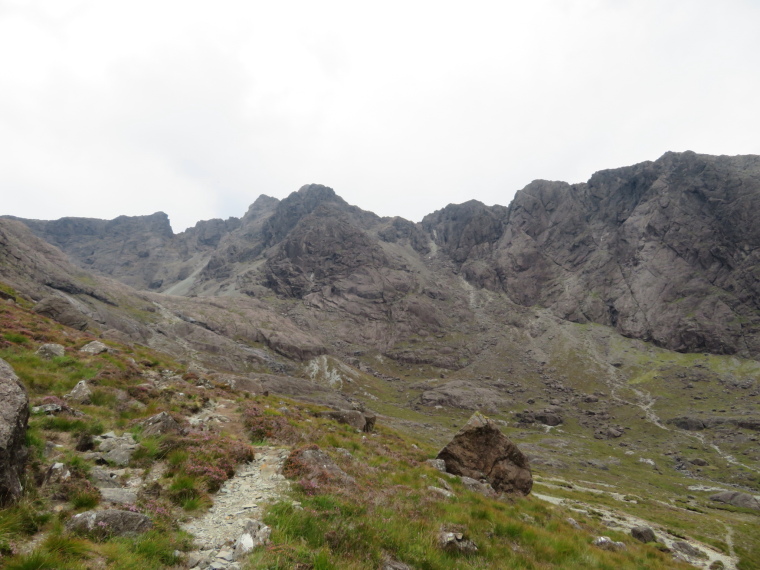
(264,425)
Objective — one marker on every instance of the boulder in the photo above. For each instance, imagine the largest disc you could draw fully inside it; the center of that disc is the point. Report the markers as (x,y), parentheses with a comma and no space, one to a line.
(50,350)
(548,418)
(94,347)
(60,310)
(737,499)
(643,533)
(81,393)
(107,523)
(160,424)
(255,534)
(14,417)
(353,418)
(480,451)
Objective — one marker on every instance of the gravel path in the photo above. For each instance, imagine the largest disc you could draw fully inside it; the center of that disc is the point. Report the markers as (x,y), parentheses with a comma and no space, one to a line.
(240,498)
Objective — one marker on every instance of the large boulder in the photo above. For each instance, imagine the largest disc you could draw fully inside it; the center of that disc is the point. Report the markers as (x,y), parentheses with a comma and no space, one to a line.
(14,417)
(61,310)
(480,451)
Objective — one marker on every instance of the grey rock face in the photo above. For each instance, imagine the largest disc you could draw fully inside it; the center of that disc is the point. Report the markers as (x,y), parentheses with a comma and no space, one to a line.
(14,418)
(641,249)
(110,522)
(480,451)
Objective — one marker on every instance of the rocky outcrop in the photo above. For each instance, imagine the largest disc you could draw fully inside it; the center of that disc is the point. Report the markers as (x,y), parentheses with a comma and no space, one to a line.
(463,394)
(14,417)
(737,499)
(480,451)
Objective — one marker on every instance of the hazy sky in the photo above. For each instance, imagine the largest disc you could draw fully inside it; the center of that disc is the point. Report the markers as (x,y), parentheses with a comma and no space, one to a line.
(196,108)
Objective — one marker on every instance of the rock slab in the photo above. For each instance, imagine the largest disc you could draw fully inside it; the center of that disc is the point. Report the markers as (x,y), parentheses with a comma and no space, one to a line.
(112,522)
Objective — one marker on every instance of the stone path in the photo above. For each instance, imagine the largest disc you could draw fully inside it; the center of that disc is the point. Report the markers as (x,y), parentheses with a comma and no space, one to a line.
(240,499)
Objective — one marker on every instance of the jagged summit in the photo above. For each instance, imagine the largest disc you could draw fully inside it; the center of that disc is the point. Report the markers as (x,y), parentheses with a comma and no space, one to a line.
(663,250)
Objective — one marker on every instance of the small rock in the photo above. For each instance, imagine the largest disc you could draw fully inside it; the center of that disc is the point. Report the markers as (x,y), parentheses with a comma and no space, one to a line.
(456,541)
(478,487)
(443,492)
(606,543)
(573,523)
(255,534)
(438,464)
(50,350)
(94,347)
(81,393)
(160,424)
(226,554)
(699,461)
(56,473)
(47,409)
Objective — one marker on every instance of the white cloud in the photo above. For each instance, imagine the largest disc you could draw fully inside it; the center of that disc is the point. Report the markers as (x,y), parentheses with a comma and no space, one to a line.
(193,108)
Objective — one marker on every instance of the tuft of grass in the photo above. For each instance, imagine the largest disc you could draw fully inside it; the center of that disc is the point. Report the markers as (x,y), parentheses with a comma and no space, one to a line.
(16,338)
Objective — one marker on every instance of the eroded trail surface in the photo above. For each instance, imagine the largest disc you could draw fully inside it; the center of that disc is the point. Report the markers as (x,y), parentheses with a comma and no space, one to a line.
(241,498)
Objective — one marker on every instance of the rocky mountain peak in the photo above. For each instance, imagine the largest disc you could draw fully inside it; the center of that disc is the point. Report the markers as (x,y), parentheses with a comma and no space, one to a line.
(297,205)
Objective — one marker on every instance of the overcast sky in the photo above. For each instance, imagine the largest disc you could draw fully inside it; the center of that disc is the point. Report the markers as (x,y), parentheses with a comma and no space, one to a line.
(196,108)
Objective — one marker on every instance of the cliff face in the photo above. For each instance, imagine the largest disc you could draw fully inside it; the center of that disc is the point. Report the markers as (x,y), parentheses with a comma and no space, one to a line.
(665,251)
